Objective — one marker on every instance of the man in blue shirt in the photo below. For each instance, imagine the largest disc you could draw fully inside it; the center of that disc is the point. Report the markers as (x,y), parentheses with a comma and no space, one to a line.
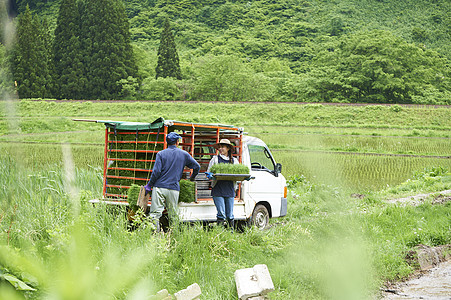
(166,174)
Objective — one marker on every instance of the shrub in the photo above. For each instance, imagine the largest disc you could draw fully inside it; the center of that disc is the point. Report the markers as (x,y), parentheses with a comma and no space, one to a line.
(295,180)
(430,172)
(161,89)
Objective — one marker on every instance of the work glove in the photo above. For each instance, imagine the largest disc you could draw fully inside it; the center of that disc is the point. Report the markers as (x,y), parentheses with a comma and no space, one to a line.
(209,175)
(148,190)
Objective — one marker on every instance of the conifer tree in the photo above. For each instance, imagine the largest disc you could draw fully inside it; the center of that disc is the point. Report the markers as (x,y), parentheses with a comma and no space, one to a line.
(168,59)
(5,77)
(70,80)
(108,55)
(3,19)
(31,59)
(46,64)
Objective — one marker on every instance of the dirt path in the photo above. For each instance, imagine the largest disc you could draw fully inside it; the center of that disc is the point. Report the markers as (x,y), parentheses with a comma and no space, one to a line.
(433,280)
(434,284)
(442,197)
(250,102)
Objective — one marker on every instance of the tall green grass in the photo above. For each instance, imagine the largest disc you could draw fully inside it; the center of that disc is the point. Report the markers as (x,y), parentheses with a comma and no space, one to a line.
(40,155)
(365,240)
(328,246)
(67,253)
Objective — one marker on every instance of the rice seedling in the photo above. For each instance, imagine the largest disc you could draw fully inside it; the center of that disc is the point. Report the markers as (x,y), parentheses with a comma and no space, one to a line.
(361,144)
(229,169)
(358,172)
(187,191)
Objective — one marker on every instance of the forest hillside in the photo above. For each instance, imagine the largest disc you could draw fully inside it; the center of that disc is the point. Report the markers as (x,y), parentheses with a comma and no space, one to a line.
(377,51)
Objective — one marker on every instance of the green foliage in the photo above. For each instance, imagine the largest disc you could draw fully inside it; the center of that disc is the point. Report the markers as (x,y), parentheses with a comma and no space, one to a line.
(129,88)
(429,179)
(431,172)
(374,219)
(3,20)
(229,169)
(336,51)
(187,191)
(295,180)
(168,59)
(162,89)
(17,283)
(6,85)
(374,67)
(227,78)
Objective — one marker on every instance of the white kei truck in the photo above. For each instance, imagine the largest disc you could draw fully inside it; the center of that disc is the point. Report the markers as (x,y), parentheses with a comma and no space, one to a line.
(129,155)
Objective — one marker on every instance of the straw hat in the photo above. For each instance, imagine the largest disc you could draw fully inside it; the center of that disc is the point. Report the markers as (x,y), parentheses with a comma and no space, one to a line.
(223,142)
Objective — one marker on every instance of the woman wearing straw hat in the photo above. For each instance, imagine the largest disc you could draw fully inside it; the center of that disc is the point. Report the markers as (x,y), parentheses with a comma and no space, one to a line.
(223,191)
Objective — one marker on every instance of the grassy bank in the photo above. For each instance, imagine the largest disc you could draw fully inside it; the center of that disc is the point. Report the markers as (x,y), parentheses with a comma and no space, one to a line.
(330,245)
(42,116)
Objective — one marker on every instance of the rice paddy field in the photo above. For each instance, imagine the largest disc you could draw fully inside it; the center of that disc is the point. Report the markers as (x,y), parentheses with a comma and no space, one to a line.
(376,165)
(361,148)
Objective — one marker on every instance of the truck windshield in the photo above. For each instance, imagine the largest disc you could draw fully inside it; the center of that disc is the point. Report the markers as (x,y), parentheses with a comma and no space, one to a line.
(260,158)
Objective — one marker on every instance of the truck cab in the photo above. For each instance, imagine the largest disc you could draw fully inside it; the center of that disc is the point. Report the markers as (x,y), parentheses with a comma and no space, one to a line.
(260,198)
(266,193)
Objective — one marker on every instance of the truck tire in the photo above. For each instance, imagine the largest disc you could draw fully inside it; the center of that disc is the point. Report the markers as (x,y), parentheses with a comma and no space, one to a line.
(260,217)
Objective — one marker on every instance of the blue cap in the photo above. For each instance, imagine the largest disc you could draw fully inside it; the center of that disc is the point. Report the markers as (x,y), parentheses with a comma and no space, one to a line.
(172,137)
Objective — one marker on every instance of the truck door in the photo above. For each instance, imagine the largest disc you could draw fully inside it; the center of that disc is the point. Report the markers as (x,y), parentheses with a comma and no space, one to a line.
(267,185)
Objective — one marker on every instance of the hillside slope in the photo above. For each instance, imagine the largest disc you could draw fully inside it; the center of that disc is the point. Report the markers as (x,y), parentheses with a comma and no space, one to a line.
(377,51)
(268,27)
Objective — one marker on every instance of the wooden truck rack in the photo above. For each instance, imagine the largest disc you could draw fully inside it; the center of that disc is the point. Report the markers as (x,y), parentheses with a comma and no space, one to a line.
(131,147)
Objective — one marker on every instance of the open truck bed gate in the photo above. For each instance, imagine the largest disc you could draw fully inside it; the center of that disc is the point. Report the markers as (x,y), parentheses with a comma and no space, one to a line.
(130,154)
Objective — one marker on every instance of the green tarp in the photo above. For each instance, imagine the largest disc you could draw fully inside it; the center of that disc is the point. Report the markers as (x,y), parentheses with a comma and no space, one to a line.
(119,125)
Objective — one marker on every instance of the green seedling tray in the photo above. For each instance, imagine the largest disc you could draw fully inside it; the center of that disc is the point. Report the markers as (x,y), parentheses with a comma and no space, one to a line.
(233,177)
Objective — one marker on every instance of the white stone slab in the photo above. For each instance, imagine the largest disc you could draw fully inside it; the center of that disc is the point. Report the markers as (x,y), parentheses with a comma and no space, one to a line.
(253,282)
(190,293)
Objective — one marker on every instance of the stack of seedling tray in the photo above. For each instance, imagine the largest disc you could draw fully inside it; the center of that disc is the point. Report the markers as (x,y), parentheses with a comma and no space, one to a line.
(203,185)
(131,156)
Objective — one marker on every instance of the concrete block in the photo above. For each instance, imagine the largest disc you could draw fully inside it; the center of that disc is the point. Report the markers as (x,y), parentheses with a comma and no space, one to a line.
(190,293)
(162,295)
(253,282)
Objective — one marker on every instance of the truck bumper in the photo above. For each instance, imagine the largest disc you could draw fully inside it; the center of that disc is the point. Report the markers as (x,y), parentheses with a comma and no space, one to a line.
(283,207)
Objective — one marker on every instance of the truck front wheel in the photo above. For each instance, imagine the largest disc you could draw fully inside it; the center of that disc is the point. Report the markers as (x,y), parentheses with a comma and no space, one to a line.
(260,217)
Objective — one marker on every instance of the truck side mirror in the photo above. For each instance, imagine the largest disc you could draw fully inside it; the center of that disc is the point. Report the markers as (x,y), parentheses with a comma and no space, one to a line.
(278,169)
